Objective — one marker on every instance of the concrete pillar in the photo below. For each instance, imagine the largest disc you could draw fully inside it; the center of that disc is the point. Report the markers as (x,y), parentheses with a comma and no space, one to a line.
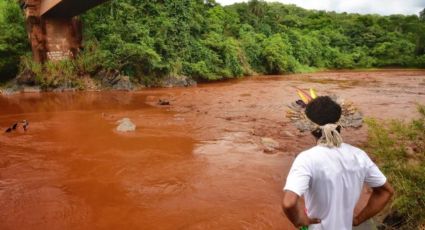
(52,38)
(63,37)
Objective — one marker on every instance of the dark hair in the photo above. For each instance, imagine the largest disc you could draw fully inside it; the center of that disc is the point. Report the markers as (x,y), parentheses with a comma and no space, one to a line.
(323,110)
(317,133)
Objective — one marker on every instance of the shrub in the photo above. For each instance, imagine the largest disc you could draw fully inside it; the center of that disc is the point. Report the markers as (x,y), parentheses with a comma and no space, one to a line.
(52,74)
(399,149)
(91,60)
(277,56)
(200,71)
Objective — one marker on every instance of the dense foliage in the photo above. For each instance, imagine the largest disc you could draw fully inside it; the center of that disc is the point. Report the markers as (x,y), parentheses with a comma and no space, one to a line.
(202,39)
(399,149)
(13,38)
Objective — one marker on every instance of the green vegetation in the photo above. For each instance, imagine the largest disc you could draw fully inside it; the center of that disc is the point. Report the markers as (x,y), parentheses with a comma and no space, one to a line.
(399,149)
(148,40)
(52,75)
(208,42)
(13,38)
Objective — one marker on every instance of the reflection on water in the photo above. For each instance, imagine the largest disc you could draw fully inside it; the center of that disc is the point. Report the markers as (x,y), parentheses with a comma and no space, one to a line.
(52,102)
(72,170)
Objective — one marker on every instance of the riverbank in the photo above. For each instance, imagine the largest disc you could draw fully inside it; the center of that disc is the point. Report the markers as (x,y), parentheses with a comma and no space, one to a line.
(115,81)
(215,157)
(108,81)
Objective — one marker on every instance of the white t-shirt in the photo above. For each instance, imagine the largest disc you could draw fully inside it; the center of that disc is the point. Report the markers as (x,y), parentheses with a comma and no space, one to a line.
(331,180)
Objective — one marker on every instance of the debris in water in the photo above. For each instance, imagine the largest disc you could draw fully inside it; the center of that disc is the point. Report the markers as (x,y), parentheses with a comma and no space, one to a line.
(270,145)
(25,124)
(126,125)
(15,125)
(163,102)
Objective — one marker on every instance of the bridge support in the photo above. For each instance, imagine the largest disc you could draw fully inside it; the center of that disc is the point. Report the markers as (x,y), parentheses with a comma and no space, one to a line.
(54,29)
(51,38)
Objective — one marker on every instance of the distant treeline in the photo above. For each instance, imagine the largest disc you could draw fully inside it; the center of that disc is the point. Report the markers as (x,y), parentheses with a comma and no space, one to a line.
(204,40)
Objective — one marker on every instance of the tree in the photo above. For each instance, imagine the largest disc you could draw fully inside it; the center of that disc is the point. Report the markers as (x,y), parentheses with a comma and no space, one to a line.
(13,38)
(277,55)
(148,40)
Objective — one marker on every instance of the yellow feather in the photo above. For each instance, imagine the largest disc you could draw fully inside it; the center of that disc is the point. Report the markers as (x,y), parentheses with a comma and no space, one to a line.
(302,96)
(313,93)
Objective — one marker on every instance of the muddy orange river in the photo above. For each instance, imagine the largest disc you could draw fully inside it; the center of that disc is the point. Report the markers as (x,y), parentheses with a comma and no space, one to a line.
(198,163)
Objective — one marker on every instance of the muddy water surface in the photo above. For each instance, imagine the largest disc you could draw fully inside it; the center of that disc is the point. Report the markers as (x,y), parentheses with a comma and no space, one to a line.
(196,164)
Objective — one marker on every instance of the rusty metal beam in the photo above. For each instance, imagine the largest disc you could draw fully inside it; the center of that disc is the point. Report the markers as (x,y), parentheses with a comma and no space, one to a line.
(47,5)
(67,8)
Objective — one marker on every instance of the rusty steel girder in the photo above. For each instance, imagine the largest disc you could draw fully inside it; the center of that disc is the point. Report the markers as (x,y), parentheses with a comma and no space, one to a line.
(54,29)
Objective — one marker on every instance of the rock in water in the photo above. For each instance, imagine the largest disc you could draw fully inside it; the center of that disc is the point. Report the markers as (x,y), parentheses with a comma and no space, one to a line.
(269,142)
(163,102)
(270,145)
(126,125)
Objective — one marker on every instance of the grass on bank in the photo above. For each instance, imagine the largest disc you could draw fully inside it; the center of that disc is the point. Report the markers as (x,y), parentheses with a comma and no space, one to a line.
(51,74)
(398,147)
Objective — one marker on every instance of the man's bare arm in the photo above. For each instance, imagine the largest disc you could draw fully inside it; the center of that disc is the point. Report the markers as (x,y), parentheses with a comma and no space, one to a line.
(378,200)
(294,210)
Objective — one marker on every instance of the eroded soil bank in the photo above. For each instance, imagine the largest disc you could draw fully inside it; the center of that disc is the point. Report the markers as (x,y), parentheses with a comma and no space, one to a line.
(198,163)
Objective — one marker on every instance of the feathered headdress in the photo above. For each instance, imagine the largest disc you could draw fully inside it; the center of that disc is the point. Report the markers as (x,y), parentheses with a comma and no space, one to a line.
(350,116)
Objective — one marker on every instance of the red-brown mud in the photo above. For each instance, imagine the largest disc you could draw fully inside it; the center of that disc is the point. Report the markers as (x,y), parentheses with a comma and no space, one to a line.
(196,164)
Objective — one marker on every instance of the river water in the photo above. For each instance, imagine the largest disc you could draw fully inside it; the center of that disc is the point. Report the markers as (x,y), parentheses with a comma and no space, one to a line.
(198,163)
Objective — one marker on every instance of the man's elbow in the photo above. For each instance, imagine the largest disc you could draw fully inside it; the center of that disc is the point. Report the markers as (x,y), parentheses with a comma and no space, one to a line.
(386,191)
(288,202)
(288,205)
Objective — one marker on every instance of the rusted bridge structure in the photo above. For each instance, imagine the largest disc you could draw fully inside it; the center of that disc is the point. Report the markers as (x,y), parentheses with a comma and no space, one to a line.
(54,29)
